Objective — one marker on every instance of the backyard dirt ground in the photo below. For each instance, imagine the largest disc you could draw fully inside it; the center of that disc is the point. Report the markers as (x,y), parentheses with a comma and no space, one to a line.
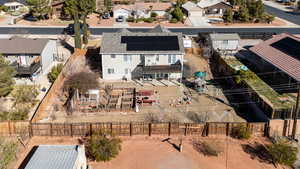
(211,106)
(141,152)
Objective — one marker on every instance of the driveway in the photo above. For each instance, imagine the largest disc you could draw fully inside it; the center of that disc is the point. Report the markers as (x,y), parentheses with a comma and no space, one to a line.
(286,15)
(199,21)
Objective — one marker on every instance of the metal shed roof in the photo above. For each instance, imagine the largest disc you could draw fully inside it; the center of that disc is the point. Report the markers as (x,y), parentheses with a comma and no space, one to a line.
(279,58)
(53,157)
(224,36)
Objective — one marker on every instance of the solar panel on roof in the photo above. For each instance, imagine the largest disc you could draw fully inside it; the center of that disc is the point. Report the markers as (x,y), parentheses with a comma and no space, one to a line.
(288,46)
(150,43)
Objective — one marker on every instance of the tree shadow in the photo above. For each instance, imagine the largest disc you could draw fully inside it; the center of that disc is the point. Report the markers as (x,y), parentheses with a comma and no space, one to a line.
(258,151)
(171,143)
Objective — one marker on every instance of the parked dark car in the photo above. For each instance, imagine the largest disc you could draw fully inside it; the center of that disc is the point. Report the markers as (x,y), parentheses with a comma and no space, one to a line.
(120,19)
(105,16)
(70,30)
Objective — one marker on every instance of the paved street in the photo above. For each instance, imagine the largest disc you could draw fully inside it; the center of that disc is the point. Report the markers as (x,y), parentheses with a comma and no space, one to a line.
(186,31)
(289,16)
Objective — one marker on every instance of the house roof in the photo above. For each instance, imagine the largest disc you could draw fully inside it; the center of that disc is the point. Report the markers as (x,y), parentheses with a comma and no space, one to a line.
(208,3)
(53,157)
(13,4)
(8,1)
(18,45)
(282,51)
(142,43)
(224,36)
(125,7)
(190,6)
(159,6)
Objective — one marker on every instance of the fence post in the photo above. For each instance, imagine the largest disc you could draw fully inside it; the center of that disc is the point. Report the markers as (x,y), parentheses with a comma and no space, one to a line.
(285,122)
(9,129)
(185,129)
(91,129)
(30,130)
(227,129)
(150,129)
(169,129)
(111,129)
(130,129)
(71,129)
(51,132)
(207,129)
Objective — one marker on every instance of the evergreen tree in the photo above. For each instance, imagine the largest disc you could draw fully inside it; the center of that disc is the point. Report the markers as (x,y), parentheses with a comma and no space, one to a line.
(39,8)
(72,8)
(228,16)
(243,14)
(177,14)
(260,9)
(6,77)
(108,5)
(87,7)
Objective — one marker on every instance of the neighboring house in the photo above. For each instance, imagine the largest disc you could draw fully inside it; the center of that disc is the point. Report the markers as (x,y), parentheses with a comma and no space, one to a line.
(140,9)
(14,6)
(159,8)
(57,8)
(57,157)
(214,7)
(122,10)
(282,52)
(28,56)
(191,9)
(224,43)
(157,54)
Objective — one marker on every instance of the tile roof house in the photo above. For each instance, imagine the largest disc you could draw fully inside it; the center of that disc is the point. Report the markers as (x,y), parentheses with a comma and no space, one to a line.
(28,56)
(157,54)
(283,52)
(57,157)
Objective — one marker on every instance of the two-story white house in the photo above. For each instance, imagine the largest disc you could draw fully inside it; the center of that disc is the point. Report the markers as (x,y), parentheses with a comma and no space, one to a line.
(157,54)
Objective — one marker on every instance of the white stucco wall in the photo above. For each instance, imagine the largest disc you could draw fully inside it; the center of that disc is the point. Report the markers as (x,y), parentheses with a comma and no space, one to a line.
(160,13)
(225,45)
(120,66)
(47,55)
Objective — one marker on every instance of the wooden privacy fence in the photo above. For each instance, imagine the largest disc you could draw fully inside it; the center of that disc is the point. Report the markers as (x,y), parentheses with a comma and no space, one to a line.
(9,128)
(130,129)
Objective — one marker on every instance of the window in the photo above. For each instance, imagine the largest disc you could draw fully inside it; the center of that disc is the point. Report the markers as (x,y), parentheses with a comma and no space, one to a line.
(171,59)
(110,71)
(225,42)
(157,58)
(127,58)
(127,71)
(113,56)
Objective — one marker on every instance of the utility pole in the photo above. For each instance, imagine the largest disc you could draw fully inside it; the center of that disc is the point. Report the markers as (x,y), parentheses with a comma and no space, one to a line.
(296,112)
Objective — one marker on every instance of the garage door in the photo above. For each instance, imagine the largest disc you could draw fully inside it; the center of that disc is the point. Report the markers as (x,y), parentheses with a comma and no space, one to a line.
(196,13)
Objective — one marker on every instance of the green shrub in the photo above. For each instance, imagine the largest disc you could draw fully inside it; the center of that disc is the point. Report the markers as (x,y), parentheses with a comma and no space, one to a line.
(53,74)
(149,20)
(3,8)
(283,153)
(20,113)
(173,20)
(130,19)
(240,132)
(139,20)
(25,94)
(178,14)
(153,14)
(103,148)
